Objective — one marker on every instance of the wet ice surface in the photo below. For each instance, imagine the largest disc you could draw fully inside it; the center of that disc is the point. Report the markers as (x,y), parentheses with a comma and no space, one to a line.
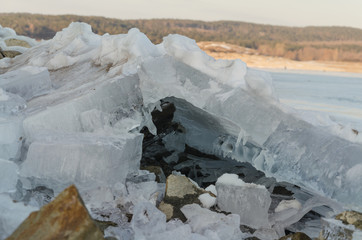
(335,94)
(90,110)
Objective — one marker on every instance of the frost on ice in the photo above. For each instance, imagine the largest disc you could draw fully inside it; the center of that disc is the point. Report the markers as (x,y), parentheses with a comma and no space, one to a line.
(72,109)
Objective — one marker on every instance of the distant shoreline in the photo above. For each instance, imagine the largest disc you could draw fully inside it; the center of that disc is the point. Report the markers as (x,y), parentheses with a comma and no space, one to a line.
(267,62)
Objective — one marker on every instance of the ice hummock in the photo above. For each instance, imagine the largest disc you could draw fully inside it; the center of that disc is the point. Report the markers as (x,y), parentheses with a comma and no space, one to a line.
(84,98)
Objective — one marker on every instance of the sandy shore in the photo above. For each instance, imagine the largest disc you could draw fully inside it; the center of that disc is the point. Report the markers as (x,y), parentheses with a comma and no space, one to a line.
(226,51)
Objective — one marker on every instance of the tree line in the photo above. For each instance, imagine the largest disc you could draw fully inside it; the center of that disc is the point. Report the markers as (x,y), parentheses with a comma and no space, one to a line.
(297,43)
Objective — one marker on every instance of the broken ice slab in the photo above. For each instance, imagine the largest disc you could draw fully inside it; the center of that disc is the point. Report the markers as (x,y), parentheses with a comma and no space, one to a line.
(84,159)
(293,150)
(241,108)
(10,104)
(68,113)
(11,136)
(300,153)
(27,82)
(8,176)
(212,224)
(250,201)
(12,214)
(147,220)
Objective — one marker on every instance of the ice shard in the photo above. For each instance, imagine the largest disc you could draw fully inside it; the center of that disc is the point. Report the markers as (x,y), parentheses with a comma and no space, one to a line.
(85,159)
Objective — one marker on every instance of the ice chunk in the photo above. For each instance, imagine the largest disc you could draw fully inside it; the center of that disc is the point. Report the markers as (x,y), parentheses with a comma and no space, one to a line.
(11,137)
(27,82)
(8,176)
(82,158)
(70,115)
(6,32)
(12,215)
(304,154)
(147,220)
(261,84)
(211,188)
(142,192)
(3,96)
(208,223)
(10,104)
(207,200)
(180,233)
(184,49)
(250,201)
(93,119)
(231,109)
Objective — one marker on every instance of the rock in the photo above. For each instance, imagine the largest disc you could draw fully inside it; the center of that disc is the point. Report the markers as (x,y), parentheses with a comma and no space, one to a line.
(296,236)
(157,170)
(167,209)
(9,54)
(346,225)
(179,187)
(16,42)
(180,191)
(351,217)
(336,230)
(64,218)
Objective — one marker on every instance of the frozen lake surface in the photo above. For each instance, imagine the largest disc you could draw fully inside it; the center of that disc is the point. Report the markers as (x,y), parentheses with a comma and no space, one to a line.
(336,94)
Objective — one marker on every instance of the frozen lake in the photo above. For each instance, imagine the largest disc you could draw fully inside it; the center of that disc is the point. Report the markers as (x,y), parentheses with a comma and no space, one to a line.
(337,94)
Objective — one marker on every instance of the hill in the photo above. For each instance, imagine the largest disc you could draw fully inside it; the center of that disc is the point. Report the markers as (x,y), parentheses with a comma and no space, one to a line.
(296,43)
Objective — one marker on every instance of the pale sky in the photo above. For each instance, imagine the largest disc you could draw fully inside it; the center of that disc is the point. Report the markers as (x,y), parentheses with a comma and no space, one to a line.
(276,12)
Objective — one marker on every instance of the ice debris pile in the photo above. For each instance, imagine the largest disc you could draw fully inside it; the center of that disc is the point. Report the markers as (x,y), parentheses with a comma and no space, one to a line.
(72,111)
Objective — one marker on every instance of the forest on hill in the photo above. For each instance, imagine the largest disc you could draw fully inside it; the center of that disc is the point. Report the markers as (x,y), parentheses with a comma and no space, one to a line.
(297,43)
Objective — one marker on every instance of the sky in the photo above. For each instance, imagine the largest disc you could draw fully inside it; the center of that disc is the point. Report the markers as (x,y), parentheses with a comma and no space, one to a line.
(275,12)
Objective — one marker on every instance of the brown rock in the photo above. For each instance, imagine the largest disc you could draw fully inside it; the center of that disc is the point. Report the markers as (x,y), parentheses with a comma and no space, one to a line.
(179,186)
(64,218)
(167,209)
(9,54)
(335,230)
(17,42)
(296,236)
(351,217)
(180,191)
